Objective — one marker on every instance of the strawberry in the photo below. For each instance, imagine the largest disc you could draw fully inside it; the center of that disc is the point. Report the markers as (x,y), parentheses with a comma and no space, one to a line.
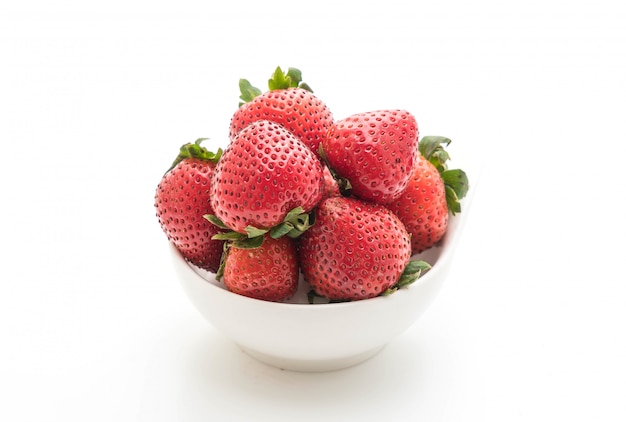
(331,187)
(432,194)
(289,102)
(266,179)
(267,272)
(181,200)
(374,151)
(356,250)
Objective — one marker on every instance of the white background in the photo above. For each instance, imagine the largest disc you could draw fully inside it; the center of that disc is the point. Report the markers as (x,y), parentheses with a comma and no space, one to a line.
(96,99)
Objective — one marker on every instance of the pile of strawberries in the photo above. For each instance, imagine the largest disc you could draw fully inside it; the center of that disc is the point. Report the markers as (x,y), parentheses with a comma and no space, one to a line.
(345,203)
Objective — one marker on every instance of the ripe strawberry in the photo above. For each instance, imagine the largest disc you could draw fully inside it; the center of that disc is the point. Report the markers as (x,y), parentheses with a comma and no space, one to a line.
(289,102)
(331,188)
(433,192)
(374,151)
(181,201)
(265,174)
(355,250)
(268,272)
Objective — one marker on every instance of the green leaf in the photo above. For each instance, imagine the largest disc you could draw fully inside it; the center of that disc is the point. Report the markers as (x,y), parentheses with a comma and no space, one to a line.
(389,291)
(230,235)
(305,86)
(457,185)
(439,159)
(293,225)
(412,272)
(299,221)
(216,221)
(295,76)
(457,180)
(291,79)
(248,92)
(281,230)
(432,148)
(294,214)
(255,232)
(454,205)
(302,223)
(220,270)
(279,80)
(196,150)
(428,145)
(248,243)
(240,240)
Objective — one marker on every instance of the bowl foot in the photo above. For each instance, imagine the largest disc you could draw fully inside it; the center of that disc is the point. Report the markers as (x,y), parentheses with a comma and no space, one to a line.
(311,365)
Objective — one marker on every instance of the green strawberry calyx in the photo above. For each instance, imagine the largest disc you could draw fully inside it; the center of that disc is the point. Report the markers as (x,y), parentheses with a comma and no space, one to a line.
(291,79)
(410,275)
(195,150)
(293,225)
(248,92)
(279,80)
(455,180)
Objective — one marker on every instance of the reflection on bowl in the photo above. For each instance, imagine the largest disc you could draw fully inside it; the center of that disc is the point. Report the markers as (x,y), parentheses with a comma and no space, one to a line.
(318,337)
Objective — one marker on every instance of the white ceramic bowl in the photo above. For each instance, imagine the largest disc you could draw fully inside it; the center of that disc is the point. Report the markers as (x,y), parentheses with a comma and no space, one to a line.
(319,337)
(327,336)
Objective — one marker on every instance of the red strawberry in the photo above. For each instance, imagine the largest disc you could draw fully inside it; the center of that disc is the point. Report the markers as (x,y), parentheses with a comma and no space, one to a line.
(355,250)
(432,193)
(290,103)
(331,187)
(264,175)
(422,206)
(181,201)
(268,272)
(374,151)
